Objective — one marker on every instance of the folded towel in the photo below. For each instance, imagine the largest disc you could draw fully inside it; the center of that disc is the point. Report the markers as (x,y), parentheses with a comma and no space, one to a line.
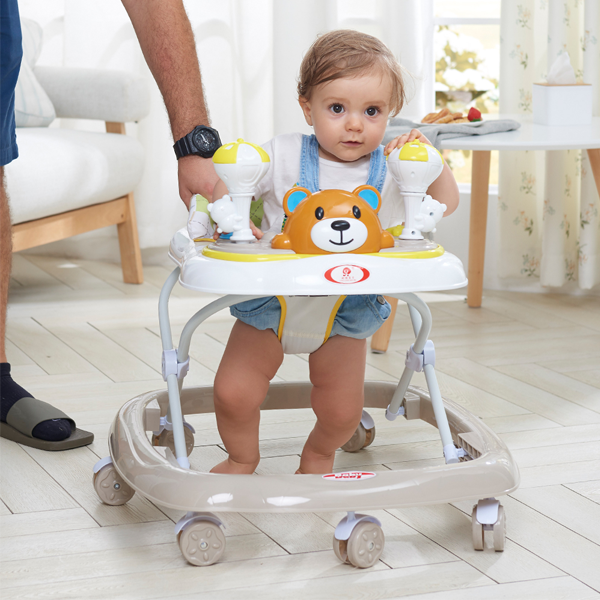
(437,133)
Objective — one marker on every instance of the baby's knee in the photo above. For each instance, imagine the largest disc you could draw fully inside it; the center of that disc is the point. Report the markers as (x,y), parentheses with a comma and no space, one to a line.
(341,416)
(234,395)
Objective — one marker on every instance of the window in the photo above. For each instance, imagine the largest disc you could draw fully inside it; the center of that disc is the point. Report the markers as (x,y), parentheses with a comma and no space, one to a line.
(467,67)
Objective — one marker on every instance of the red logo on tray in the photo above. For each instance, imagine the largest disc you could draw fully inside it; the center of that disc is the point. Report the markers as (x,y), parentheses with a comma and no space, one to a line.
(347,274)
(348,475)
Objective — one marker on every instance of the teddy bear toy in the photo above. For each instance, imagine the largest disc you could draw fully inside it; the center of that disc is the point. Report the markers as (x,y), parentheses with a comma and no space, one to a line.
(224,214)
(331,221)
(430,214)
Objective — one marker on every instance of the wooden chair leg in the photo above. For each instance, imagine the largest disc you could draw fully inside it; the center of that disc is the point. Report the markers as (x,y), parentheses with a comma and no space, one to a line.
(480,181)
(381,338)
(131,257)
(594,156)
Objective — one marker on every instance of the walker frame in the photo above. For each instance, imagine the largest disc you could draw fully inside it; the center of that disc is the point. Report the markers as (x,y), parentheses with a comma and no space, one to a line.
(478,463)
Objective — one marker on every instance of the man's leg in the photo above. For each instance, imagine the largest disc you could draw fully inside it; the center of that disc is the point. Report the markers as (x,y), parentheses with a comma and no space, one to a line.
(55,429)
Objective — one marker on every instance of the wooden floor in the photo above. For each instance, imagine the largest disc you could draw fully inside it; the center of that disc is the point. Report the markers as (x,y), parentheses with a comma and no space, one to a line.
(528,365)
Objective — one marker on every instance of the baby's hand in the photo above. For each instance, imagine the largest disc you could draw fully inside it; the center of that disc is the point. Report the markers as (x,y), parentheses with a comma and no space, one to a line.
(400,140)
(256,232)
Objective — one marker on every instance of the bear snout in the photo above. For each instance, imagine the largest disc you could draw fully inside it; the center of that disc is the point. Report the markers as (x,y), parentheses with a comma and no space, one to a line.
(340,225)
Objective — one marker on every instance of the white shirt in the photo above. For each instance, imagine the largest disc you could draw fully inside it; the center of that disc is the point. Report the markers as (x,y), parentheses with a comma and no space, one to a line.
(284,173)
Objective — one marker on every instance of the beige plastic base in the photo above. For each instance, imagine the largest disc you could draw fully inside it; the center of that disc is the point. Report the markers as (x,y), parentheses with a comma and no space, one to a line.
(154,472)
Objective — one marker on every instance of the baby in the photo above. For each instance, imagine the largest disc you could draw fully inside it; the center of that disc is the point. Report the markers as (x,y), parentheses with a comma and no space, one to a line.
(350,83)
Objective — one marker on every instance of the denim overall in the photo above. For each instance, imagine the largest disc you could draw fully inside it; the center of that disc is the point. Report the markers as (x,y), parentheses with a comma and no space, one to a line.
(357,316)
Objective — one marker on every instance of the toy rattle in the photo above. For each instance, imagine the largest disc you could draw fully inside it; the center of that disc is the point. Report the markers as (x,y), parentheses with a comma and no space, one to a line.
(240,165)
(414,167)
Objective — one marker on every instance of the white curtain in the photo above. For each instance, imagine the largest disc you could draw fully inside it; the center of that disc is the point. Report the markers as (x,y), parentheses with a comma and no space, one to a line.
(548,203)
(250,53)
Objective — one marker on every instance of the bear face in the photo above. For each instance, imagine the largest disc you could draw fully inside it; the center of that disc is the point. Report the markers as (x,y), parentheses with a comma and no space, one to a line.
(332,221)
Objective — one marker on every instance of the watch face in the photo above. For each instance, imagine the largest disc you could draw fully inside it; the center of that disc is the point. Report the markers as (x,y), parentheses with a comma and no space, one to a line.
(205,140)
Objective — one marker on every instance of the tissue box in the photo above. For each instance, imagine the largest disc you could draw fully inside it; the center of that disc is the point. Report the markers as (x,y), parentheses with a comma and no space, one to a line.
(555,104)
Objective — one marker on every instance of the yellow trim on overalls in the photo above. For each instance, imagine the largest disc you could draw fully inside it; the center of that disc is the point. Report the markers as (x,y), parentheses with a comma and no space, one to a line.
(332,317)
(283,305)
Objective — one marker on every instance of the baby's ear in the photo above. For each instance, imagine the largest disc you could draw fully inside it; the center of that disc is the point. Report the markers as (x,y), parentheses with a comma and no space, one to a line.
(370,195)
(293,197)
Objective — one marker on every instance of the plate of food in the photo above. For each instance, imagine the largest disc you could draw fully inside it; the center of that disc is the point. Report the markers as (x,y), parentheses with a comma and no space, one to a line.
(447,116)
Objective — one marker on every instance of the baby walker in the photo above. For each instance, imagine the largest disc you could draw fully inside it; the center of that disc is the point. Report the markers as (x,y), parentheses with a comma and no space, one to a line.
(353,256)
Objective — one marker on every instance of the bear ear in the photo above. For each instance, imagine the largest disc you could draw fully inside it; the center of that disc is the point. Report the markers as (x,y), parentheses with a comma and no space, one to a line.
(293,197)
(370,195)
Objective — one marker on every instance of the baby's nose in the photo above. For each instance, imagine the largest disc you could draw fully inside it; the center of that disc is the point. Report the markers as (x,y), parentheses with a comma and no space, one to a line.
(340,225)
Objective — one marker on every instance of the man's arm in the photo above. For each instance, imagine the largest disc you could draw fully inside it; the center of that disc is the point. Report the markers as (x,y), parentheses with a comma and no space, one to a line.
(165,35)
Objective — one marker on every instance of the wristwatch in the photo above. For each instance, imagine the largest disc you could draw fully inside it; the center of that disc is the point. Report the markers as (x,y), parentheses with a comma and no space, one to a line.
(203,141)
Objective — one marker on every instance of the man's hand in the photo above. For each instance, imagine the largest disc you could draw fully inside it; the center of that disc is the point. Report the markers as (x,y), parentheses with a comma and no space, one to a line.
(399,141)
(196,176)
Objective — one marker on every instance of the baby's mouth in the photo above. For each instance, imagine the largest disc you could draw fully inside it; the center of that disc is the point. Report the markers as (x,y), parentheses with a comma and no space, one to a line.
(352,144)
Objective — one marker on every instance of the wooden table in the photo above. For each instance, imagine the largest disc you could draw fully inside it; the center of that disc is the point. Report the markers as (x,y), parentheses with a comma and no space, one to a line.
(529,136)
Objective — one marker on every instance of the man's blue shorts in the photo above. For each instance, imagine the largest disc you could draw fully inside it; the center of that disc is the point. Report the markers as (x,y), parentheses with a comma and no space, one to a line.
(11,53)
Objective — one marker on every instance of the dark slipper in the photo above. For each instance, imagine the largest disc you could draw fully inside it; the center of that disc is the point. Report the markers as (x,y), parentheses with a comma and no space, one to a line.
(26,413)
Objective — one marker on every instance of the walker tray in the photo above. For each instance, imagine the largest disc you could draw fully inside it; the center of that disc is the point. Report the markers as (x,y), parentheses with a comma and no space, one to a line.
(225,267)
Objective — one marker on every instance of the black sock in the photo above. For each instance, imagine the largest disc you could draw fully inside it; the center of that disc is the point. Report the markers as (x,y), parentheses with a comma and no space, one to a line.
(54,430)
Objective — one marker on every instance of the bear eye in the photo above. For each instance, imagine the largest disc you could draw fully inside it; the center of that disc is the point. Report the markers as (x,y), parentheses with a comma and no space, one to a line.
(319,213)
(356,211)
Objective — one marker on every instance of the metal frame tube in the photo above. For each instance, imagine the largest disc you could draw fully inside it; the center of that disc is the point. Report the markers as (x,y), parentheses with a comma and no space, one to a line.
(174,414)
(420,316)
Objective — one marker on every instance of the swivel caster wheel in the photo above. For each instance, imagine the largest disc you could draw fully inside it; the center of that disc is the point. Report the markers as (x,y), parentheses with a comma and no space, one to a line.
(202,543)
(498,530)
(364,546)
(476,531)
(166,438)
(360,439)
(110,486)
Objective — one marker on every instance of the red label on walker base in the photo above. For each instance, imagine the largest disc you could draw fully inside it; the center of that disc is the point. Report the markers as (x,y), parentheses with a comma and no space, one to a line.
(348,475)
(347,274)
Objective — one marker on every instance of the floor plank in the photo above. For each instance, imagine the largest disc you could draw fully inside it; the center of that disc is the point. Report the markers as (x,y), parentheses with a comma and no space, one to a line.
(73,470)
(451,529)
(551,541)
(25,487)
(527,364)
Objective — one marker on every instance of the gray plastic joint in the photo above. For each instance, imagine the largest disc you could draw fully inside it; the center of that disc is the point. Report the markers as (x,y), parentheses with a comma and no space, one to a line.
(416,362)
(170,366)
(166,424)
(391,416)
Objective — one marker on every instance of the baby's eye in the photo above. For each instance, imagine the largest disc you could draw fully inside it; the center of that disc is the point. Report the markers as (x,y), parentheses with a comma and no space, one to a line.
(371,111)
(337,108)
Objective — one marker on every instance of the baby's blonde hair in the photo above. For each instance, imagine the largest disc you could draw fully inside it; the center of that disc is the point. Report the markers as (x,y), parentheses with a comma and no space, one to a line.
(349,53)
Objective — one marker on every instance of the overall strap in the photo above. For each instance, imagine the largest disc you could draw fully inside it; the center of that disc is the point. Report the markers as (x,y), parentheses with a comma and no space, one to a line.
(309,166)
(377,169)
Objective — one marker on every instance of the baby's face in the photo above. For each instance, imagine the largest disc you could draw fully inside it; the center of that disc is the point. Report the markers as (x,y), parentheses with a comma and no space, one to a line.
(349,116)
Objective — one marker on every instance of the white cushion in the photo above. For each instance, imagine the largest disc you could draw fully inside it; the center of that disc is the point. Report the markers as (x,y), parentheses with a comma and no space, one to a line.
(33,107)
(63,169)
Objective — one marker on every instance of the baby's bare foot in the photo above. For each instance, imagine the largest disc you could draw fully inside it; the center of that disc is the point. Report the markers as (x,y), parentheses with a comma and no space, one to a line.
(232,467)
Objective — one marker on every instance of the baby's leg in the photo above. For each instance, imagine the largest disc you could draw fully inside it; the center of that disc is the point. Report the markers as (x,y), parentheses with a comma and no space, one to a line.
(250,361)
(337,372)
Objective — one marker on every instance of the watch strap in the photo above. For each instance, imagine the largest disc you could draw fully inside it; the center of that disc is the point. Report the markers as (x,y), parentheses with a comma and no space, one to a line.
(184,146)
